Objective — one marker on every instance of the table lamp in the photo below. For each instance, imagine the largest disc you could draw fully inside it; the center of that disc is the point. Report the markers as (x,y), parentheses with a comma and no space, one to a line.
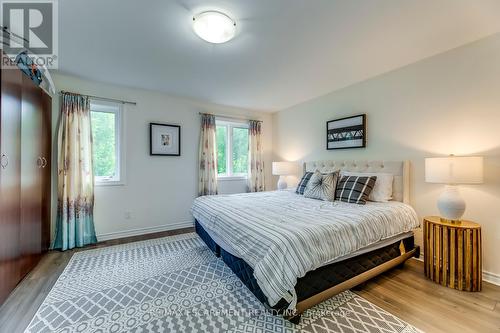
(283,169)
(452,171)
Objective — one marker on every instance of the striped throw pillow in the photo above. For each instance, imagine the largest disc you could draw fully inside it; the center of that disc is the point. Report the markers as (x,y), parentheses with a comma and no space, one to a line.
(303,183)
(355,189)
(322,186)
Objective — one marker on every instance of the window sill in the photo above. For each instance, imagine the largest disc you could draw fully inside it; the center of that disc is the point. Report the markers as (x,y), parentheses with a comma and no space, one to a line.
(231,178)
(110,183)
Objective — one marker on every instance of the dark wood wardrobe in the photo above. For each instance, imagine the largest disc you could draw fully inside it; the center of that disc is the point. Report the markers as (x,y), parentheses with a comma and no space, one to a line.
(25,164)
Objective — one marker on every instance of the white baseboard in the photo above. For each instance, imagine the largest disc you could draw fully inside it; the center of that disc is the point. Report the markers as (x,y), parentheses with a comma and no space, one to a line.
(491,278)
(144,231)
(487,276)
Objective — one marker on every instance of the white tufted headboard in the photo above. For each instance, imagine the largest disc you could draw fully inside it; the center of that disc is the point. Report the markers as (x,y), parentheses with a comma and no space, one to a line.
(400,170)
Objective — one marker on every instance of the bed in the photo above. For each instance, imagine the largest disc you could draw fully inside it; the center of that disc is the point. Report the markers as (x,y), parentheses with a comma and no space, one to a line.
(293,252)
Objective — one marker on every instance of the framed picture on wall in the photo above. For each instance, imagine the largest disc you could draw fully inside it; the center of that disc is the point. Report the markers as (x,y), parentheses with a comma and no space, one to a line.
(164,139)
(344,133)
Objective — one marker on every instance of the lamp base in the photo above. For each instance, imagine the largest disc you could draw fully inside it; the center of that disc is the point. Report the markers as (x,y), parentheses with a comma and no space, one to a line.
(451,204)
(282,183)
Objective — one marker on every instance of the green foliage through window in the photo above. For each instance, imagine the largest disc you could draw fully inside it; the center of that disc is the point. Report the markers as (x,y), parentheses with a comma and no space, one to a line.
(240,150)
(232,143)
(221,149)
(104,143)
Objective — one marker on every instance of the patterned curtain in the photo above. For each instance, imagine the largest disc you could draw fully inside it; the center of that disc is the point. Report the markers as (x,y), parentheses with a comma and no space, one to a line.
(255,160)
(75,177)
(208,156)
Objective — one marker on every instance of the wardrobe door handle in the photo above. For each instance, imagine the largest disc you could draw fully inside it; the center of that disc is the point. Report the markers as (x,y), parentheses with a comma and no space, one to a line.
(39,162)
(44,160)
(4,161)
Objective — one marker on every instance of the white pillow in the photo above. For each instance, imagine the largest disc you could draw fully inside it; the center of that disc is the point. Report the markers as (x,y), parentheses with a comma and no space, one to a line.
(382,191)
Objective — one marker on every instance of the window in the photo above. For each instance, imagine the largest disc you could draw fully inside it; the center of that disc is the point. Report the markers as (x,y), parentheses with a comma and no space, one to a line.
(232,149)
(106,119)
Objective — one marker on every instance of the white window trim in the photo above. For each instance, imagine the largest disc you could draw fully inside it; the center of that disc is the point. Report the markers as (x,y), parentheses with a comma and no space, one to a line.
(230,124)
(117,109)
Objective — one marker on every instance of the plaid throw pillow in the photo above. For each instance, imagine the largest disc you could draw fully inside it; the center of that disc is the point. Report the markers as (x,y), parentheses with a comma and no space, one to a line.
(355,189)
(303,183)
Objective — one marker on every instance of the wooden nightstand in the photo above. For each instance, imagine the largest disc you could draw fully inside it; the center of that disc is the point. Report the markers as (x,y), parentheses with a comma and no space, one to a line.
(452,253)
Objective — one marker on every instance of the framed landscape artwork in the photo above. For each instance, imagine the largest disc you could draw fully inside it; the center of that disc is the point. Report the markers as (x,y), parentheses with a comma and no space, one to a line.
(164,139)
(346,133)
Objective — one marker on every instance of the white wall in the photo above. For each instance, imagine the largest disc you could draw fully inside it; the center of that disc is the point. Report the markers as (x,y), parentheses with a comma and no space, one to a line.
(159,190)
(449,103)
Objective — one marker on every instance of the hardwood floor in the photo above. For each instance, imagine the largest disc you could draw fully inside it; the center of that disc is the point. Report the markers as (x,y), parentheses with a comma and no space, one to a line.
(408,294)
(404,292)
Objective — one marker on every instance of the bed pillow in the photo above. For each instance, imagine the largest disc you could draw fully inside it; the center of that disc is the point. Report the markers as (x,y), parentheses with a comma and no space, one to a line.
(322,186)
(382,192)
(303,183)
(355,189)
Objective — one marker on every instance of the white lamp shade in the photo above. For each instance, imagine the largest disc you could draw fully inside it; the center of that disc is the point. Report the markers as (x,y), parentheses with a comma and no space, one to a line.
(454,170)
(283,168)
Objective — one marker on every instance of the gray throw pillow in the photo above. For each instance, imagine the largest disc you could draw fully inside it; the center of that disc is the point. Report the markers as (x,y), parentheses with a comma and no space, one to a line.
(322,186)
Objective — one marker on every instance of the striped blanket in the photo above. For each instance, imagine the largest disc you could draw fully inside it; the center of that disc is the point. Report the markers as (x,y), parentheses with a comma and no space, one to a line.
(283,235)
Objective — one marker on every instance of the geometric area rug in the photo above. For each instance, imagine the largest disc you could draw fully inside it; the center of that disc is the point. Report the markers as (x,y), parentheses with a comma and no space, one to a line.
(176,284)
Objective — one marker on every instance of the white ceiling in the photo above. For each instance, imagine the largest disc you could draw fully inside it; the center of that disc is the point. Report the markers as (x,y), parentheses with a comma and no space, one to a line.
(285,51)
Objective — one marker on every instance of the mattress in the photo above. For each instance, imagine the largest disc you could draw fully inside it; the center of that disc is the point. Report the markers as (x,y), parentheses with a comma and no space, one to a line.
(282,235)
(214,239)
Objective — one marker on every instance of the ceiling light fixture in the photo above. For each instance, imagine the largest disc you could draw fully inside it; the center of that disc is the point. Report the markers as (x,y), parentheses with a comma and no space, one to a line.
(214,27)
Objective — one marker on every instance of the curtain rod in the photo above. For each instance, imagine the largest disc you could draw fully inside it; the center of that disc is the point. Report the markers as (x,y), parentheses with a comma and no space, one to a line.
(99,98)
(230,116)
